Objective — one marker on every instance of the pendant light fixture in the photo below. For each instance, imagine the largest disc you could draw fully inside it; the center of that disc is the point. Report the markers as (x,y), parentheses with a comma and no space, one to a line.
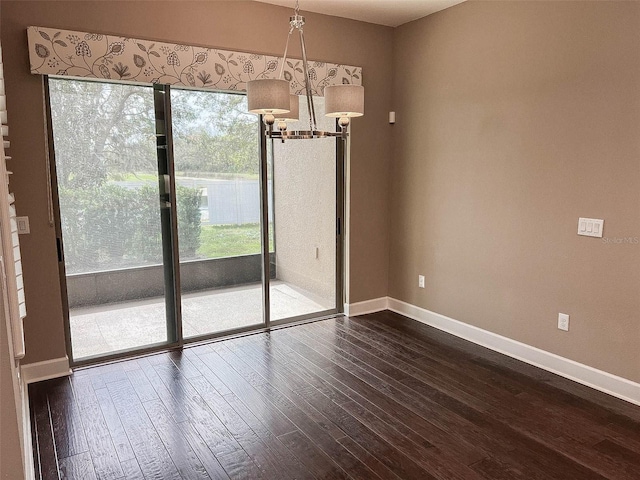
(271,97)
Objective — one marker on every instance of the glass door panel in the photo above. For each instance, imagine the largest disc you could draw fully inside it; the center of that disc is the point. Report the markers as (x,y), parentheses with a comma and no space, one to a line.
(129,286)
(108,191)
(303,177)
(218,201)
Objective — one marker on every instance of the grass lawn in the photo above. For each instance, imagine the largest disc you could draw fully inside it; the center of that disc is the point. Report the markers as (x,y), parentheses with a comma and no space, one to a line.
(134,177)
(229,240)
(153,177)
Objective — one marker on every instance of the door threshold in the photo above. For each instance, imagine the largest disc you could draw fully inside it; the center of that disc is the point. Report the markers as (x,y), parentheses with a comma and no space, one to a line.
(222,336)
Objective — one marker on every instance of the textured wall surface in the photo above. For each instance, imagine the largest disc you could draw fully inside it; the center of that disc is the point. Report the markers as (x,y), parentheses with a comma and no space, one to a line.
(305,209)
(233,25)
(515,119)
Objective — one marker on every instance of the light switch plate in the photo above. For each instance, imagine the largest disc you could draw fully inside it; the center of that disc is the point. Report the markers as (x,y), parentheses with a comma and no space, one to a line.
(23,225)
(590,227)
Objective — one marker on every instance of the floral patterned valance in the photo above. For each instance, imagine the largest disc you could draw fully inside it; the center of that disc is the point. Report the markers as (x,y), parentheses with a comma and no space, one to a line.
(93,55)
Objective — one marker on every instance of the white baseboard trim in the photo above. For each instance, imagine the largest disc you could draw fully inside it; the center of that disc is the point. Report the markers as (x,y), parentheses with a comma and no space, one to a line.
(368,306)
(591,377)
(600,380)
(36,372)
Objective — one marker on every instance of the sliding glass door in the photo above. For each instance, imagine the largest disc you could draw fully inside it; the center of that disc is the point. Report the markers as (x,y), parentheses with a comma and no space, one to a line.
(303,178)
(218,199)
(172,211)
(110,215)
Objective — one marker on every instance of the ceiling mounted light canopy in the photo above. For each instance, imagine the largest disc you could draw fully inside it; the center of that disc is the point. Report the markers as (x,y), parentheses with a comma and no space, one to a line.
(271,98)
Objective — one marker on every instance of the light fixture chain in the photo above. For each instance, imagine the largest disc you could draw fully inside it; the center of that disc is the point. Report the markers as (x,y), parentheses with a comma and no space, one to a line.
(267,96)
(307,84)
(286,49)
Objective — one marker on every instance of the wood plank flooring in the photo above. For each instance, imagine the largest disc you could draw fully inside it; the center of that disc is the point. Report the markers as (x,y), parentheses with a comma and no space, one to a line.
(373,397)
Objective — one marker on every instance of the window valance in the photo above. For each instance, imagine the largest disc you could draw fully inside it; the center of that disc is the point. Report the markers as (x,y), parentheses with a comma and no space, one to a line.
(53,51)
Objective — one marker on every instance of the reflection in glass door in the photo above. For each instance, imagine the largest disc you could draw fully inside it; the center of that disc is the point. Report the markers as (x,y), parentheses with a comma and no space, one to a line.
(303,175)
(218,201)
(110,218)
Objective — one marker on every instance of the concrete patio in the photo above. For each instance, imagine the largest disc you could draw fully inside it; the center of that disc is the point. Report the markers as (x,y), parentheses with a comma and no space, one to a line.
(105,329)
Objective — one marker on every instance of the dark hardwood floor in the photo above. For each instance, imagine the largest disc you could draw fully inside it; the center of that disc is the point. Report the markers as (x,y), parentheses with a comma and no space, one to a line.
(374,397)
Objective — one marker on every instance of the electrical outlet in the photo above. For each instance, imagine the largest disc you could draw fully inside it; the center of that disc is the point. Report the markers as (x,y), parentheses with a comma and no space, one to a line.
(563,322)
(421,281)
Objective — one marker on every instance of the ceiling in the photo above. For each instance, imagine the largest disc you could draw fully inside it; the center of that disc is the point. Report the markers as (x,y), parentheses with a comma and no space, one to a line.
(383,12)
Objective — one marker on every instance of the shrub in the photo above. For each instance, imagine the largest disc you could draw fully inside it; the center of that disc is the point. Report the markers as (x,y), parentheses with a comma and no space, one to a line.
(189,224)
(110,226)
(146,246)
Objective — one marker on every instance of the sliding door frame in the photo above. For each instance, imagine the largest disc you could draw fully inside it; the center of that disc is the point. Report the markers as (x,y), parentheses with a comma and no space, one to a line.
(169,225)
(264,222)
(168,213)
(340,162)
(172,331)
(341,174)
(56,218)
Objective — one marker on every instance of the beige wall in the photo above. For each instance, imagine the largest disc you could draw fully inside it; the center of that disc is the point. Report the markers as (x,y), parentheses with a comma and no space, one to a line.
(515,119)
(234,25)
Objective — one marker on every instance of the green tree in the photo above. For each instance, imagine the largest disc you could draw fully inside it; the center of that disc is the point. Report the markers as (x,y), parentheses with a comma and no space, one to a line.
(213,133)
(101,130)
(105,133)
